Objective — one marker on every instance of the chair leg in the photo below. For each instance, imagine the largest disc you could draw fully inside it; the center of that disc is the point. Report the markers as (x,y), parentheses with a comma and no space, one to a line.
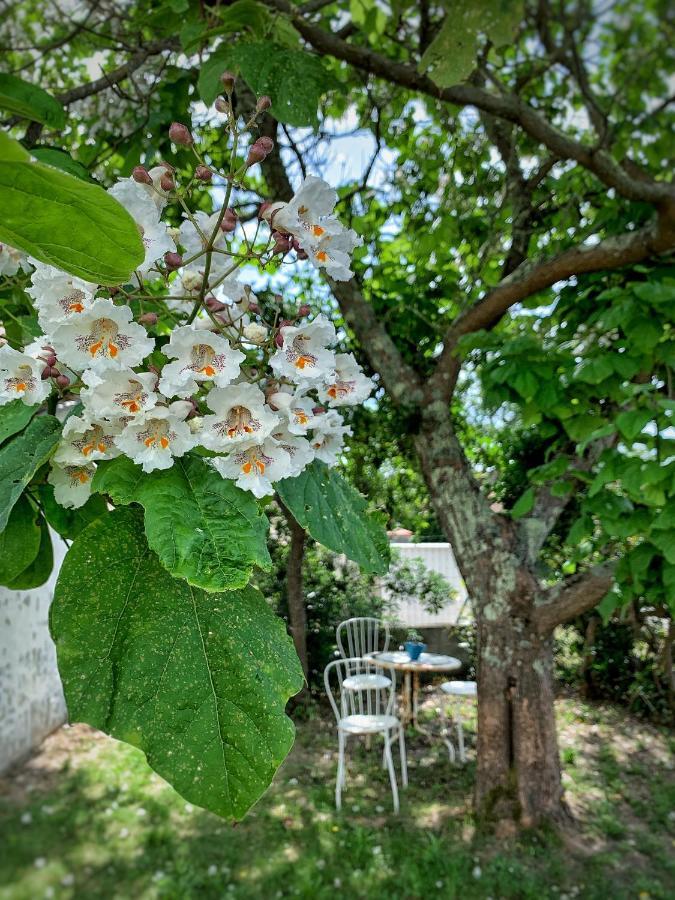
(404,760)
(392,773)
(460,737)
(340,779)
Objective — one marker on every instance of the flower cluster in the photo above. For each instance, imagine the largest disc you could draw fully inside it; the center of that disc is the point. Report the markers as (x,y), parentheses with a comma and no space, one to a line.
(186,356)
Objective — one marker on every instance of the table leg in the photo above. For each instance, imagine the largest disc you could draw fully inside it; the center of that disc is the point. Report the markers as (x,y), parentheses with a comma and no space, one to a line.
(407,712)
(415,695)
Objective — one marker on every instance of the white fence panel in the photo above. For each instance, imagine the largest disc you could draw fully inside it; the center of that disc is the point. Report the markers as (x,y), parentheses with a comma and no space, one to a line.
(438,557)
(31,696)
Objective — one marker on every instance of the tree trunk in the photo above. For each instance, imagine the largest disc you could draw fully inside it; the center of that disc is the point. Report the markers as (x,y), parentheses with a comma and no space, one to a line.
(518,776)
(297,615)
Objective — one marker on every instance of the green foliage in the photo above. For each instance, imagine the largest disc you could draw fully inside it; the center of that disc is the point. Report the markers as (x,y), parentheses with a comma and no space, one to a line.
(198,681)
(28,101)
(14,416)
(203,527)
(333,513)
(451,56)
(95,239)
(294,80)
(41,567)
(59,159)
(21,457)
(19,542)
(69,522)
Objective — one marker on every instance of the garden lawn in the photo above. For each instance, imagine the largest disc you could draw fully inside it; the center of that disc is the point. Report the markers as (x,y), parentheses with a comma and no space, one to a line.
(86,817)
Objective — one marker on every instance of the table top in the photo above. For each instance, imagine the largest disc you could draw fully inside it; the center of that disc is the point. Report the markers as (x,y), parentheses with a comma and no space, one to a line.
(427,662)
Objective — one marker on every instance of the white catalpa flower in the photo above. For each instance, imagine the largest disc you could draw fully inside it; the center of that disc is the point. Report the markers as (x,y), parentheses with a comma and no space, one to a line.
(255,333)
(298,448)
(346,385)
(329,438)
(194,239)
(13,260)
(101,338)
(308,215)
(304,354)
(84,440)
(332,253)
(241,415)
(119,394)
(57,295)
(72,484)
(21,377)
(255,467)
(143,210)
(299,411)
(132,194)
(200,355)
(154,439)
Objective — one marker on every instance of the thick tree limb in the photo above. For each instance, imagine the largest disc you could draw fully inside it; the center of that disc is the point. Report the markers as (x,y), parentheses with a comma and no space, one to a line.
(504,106)
(573,597)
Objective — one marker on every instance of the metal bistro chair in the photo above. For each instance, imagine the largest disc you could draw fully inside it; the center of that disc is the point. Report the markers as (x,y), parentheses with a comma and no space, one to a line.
(363,635)
(365,708)
(458,690)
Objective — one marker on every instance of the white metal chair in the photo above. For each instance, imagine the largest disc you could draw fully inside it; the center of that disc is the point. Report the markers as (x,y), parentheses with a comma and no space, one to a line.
(366,710)
(458,690)
(362,635)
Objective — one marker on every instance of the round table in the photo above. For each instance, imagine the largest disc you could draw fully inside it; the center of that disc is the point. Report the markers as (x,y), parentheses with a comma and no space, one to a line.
(412,669)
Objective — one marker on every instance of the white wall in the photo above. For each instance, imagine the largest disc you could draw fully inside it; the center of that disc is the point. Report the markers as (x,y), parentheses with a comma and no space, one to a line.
(439,558)
(31,697)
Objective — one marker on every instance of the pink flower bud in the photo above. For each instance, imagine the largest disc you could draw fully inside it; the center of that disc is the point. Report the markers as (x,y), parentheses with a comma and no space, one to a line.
(254,308)
(279,340)
(304,310)
(46,347)
(149,318)
(50,359)
(266,143)
(317,410)
(229,222)
(167,166)
(203,173)
(215,305)
(263,103)
(167,183)
(173,260)
(282,243)
(63,381)
(46,373)
(227,80)
(141,175)
(263,209)
(222,105)
(180,134)
(284,322)
(259,150)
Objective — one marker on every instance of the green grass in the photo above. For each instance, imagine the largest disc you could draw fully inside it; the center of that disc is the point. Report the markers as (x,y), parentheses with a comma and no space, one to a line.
(86,818)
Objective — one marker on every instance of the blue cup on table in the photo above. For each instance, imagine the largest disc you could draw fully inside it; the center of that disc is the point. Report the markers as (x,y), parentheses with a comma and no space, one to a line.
(414,649)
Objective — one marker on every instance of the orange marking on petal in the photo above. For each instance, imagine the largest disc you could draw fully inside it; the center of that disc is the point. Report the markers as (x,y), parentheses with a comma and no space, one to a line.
(322,256)
(76,307)
(318,230)
(20,386)
(246,468)
(261,466)
(248,429)
(87,449)
(95,347)
(301,418)
(149,441)
(332,391)
(112,349)
(101,448)
(302,361)
(132,405)
(82,477)
(164,442)
(208,370)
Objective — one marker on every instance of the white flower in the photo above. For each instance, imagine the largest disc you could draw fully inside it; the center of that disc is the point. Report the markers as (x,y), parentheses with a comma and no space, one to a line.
(132,194)
(57,295)
(255,467)
(299,412)
(154,439)
(332,253)
(329,437)
(346,385)
(304,354)
(119,394)
(72,484)
(255,333)
(307,215)
(194,239)
(84,440)
(191,280)
(143,210)
(299,450)
(241,416)
(101,338)
(200,355)
(11,260)
(21,377)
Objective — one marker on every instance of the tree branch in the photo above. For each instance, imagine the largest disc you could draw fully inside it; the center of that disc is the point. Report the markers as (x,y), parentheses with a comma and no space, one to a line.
(572,597)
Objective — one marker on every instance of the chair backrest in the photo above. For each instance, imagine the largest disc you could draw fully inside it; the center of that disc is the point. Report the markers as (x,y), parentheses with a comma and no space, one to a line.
(370,701)
(361,636)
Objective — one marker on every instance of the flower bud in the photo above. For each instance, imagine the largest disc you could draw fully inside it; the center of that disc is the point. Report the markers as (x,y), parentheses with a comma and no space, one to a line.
(229,222)
(254,308)
(180,134)
(141,175)
(255,333)
(46,347)
(263,209)
(259,150)
(149,318)
(192,281)
(227,80)
(173,260)
(167,183)
(49,358)
(279,339)
(282,243)
(284,322)
(263,103)
(317,410)
(203,173)
(63,381)
(46,373)
(304,310)
(222,105)
(266,143)
(215,305)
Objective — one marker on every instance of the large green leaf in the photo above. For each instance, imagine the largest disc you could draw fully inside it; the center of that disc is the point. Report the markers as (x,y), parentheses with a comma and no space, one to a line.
(21,457)
(30,102)
(202,527)
(59,159)
(451,56)
(70,522)
(68,223)
(335,515)
(19,542)
(41,567)
(198,681)
(14,416)
(293,79)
